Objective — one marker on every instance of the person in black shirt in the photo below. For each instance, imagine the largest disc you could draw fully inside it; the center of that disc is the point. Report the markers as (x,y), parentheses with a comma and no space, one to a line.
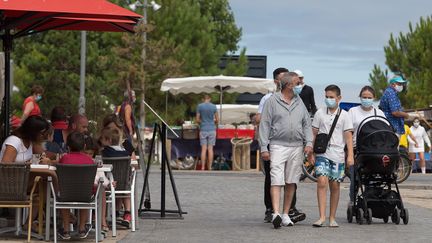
(306,94)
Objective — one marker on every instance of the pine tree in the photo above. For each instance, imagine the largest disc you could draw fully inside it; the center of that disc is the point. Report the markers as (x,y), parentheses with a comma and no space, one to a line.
(378,79)
(410,55)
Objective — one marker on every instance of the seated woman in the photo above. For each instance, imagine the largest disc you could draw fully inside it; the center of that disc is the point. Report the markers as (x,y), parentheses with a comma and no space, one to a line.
(24,141)
(110,139)
(76,144)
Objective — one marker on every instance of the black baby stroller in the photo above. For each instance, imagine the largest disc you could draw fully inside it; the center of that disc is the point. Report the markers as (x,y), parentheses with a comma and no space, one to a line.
(377,160)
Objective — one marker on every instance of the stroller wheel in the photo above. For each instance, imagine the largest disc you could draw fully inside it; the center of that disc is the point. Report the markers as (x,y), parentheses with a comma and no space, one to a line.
(405,216)
(350,214)
(360,216)
(369,216)
(385,219)
(396,216)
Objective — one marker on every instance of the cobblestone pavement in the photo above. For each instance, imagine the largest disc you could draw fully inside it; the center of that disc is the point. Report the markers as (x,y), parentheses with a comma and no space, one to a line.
(228,207)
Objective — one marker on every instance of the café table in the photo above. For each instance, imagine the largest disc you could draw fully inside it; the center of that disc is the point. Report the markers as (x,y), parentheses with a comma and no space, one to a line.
(45,171)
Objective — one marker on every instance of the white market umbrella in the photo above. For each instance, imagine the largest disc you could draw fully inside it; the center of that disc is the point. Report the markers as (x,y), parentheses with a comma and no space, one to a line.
(220,83)
(235,113)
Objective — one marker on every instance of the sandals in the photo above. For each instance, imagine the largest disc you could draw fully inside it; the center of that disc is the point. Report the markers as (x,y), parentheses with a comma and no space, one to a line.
(333,224)
(318,223)
(34,229)
(105,228)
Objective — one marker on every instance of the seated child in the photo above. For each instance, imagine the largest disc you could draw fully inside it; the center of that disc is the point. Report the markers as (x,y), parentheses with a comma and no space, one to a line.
(76,144)
(52,150)
(110,139)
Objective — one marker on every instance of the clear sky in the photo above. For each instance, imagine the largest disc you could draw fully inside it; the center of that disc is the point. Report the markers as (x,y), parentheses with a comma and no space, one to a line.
(331,41)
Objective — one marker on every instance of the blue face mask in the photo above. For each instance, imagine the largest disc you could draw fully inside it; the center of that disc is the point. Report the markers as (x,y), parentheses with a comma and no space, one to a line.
(39,97)
(298,89)
(366,102)
(330,102)
(399,88)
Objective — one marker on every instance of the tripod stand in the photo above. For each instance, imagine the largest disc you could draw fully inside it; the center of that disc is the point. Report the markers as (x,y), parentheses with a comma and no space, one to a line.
(164,213)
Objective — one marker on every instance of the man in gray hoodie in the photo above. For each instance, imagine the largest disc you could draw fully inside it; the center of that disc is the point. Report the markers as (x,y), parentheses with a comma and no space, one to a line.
(286,128)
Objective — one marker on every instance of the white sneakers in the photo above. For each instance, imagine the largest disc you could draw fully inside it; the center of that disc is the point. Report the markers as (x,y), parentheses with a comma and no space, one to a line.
(276,220)
(286,220)
(279,221)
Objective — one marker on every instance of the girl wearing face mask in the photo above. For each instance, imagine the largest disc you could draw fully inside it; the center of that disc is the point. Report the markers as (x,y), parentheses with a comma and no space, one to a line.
(358,114)
(421,137)
(30,105)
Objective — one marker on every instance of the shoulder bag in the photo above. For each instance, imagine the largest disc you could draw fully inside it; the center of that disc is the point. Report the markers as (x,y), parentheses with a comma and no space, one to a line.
(322,139)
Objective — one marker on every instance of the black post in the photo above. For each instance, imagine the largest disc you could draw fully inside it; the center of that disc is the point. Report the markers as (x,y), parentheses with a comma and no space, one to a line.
(7,48)
(155,129)
(173,185)
(163,162)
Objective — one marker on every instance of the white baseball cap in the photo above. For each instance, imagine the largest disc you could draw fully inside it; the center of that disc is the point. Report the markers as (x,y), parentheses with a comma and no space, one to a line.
(299,73)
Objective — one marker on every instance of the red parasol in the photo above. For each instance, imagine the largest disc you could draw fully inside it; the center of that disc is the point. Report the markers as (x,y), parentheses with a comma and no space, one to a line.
(20,18)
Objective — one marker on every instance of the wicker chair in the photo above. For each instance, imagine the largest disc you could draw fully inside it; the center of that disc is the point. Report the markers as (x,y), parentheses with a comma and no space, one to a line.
(75,191)
(125,176)
(13,190)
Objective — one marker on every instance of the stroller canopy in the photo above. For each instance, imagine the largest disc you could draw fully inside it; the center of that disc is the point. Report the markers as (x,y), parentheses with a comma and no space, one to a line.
(376,135)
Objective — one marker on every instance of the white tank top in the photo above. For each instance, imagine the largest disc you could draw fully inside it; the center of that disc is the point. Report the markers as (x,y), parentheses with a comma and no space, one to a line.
(23,154)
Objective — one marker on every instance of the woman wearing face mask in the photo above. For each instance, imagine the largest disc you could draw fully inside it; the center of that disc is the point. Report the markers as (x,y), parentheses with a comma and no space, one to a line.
(358,114)
(30,106)
(421,137)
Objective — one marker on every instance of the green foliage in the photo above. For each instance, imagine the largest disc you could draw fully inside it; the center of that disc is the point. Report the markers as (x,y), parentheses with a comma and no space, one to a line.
(220,14)
(378,79)
(410,55)
(184,38)
(52,60)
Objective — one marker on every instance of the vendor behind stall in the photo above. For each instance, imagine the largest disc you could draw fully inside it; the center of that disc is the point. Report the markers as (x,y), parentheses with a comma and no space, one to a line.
(207,117)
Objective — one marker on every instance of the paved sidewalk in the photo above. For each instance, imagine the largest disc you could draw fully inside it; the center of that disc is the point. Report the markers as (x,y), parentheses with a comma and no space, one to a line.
(228,207)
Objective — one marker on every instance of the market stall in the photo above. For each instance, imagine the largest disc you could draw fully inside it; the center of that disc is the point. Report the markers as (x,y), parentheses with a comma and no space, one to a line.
(234,119)
(233,137)
(219,84)
(235,113)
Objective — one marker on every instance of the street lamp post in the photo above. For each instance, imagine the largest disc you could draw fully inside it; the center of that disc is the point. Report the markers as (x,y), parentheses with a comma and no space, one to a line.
(143,56)
(155,7)
(81,103)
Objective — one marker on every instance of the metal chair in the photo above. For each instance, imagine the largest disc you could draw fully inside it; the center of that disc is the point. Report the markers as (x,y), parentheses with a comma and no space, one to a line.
(75,184)
(13,192)
(125,176)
